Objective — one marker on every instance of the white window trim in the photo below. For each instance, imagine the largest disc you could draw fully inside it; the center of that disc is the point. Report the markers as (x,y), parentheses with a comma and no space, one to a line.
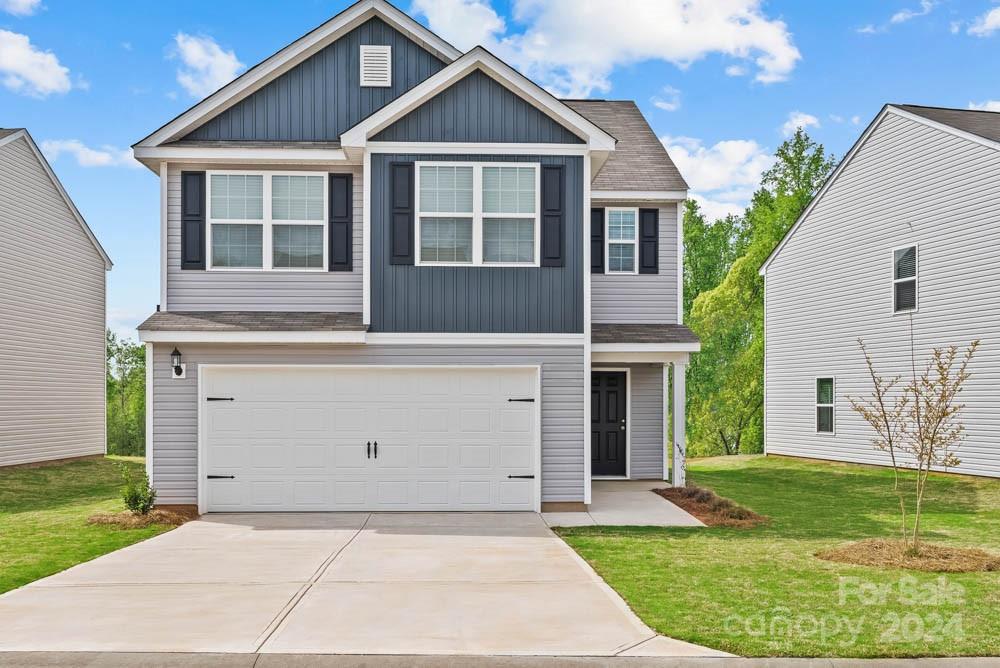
(832,406)
(477,214)
(915,279)
(608,241)
(267,222)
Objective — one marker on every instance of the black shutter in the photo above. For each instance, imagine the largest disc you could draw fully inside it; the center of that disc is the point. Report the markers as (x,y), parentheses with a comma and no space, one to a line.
(597,241)
(402,204)
(553,233)
(192,220)
(341,223)
(649,241)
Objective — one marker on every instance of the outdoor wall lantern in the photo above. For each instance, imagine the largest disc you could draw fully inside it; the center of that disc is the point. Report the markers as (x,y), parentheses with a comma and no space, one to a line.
(175,361)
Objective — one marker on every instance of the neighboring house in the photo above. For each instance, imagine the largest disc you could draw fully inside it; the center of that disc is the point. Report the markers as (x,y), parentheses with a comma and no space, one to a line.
(52,306)
(397,276)
(900,248)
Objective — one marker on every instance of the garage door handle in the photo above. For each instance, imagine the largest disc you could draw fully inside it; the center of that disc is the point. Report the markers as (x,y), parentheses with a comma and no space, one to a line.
(220,399)
(376,449)
(527,401)
(369,449)
(527,477)
(221,477)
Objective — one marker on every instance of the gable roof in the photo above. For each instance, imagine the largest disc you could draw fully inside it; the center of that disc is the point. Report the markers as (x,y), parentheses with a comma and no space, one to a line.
(284,60)
(640,161)
(940,118)
(9,135)
(480,59)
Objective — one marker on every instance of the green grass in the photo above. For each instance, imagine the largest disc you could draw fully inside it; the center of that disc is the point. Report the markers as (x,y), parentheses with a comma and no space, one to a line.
(761,592)
(43,517)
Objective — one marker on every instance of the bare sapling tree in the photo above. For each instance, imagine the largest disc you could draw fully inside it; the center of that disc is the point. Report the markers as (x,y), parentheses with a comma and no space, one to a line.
(918,425)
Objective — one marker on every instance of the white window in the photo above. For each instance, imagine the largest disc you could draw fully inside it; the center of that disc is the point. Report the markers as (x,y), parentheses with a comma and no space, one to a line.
(376,65)
(904,279)
(824,405)
(271,221)
(621,237)
(477,214)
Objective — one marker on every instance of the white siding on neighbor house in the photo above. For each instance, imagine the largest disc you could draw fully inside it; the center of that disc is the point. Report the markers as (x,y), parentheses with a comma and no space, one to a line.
(193,290)
(640,298)
(52,313)
(648,412)
(175,409)
(832,283)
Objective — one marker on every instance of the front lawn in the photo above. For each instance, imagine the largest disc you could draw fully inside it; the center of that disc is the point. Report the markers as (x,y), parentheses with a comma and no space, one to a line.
(761,592)
(43,517)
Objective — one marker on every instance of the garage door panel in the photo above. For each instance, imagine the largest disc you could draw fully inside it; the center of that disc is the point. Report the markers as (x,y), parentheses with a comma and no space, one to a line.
(296,439)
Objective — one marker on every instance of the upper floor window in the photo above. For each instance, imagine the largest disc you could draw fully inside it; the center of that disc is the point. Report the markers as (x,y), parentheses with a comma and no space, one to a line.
(622,240)
(477,214)
(824,405)
(904,279)
(267,221)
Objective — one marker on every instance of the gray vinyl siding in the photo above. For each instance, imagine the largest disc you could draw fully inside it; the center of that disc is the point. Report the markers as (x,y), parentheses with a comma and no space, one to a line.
(322,97)
(831,284)
(195,290)
(175,406)
(640,298)
(408,298)
(647,415)
(477,109)
(52,306)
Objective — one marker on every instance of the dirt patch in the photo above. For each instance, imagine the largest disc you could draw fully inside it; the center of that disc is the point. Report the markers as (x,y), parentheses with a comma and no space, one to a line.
(883,553)
(710,508)
(128,520)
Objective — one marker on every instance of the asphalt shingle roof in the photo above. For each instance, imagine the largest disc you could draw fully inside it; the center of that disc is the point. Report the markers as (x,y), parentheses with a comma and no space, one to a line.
(985,124)
(634,333)
(8,131)
(252,321)
(639,161)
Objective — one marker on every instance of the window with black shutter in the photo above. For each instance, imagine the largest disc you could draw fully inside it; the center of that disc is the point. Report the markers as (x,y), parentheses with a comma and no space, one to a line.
(192,220)
(597,241)
(904,279)
(649,241)
(341,222)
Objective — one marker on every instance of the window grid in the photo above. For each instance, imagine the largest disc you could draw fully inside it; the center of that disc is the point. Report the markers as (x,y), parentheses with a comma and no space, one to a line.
(825,398)
(621,240)
(905,268)
(522,195)
(282,194)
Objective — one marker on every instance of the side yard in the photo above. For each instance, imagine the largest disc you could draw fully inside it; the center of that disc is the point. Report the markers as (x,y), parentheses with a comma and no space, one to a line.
(43,517)
(761,592)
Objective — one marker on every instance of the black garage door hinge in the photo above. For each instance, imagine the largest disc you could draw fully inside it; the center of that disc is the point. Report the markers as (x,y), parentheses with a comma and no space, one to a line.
(527,401)
(528,477)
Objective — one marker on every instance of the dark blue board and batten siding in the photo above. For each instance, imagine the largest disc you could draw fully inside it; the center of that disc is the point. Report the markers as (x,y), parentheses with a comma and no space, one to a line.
(477,109)
(408,298)
(322,97)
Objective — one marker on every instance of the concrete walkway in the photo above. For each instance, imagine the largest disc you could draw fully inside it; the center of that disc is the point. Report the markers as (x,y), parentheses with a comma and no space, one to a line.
(626,503)
(337,583)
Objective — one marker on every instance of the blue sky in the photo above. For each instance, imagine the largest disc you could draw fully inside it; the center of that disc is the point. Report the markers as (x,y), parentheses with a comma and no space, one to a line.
(721,81)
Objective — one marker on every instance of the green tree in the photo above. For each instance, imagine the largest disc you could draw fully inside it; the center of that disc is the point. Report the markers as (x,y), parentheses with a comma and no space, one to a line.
(126,396)
(725,404)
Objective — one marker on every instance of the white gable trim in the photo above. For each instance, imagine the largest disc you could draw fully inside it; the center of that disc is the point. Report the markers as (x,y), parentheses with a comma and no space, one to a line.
(284,60)
(62,191)
(478,59)
(886,110)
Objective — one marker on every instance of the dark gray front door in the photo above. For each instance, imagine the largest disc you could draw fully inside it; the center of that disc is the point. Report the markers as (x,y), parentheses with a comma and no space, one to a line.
(607,423)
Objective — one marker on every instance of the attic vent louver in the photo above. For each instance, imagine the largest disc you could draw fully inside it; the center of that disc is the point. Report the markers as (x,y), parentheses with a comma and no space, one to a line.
(376,65)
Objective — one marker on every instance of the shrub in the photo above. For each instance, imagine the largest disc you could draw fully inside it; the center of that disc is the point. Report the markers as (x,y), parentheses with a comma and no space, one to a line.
(137,493)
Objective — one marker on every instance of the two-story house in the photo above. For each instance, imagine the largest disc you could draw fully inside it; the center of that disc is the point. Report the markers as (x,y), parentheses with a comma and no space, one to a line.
(899,248)
(396,276)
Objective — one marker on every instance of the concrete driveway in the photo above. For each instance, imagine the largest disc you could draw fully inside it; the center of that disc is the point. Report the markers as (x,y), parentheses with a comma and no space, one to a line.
(340,583)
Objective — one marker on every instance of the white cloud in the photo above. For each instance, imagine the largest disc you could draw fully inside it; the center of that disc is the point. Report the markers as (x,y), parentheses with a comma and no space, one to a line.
(123,322)
(103,156)
(796,120)
(20,7)
(987,24)
(836,118)
(723,176)
(867,29)
(30,71)
(596,36)
(926,6)
(670,100)
(988,105)
(736,71)
(207,67)
(855,120)
(955,27)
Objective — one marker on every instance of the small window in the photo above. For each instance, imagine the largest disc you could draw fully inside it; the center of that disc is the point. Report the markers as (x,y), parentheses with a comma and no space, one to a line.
(623,228)
(904,279)
(376,65)
(824,405)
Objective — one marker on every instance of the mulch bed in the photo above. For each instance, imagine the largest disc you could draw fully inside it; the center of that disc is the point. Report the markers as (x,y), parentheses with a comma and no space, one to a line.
(129,520)
(883,553)
(710,508)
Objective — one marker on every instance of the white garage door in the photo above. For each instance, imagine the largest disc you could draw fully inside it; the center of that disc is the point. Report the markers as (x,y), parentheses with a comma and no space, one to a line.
(368,438)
